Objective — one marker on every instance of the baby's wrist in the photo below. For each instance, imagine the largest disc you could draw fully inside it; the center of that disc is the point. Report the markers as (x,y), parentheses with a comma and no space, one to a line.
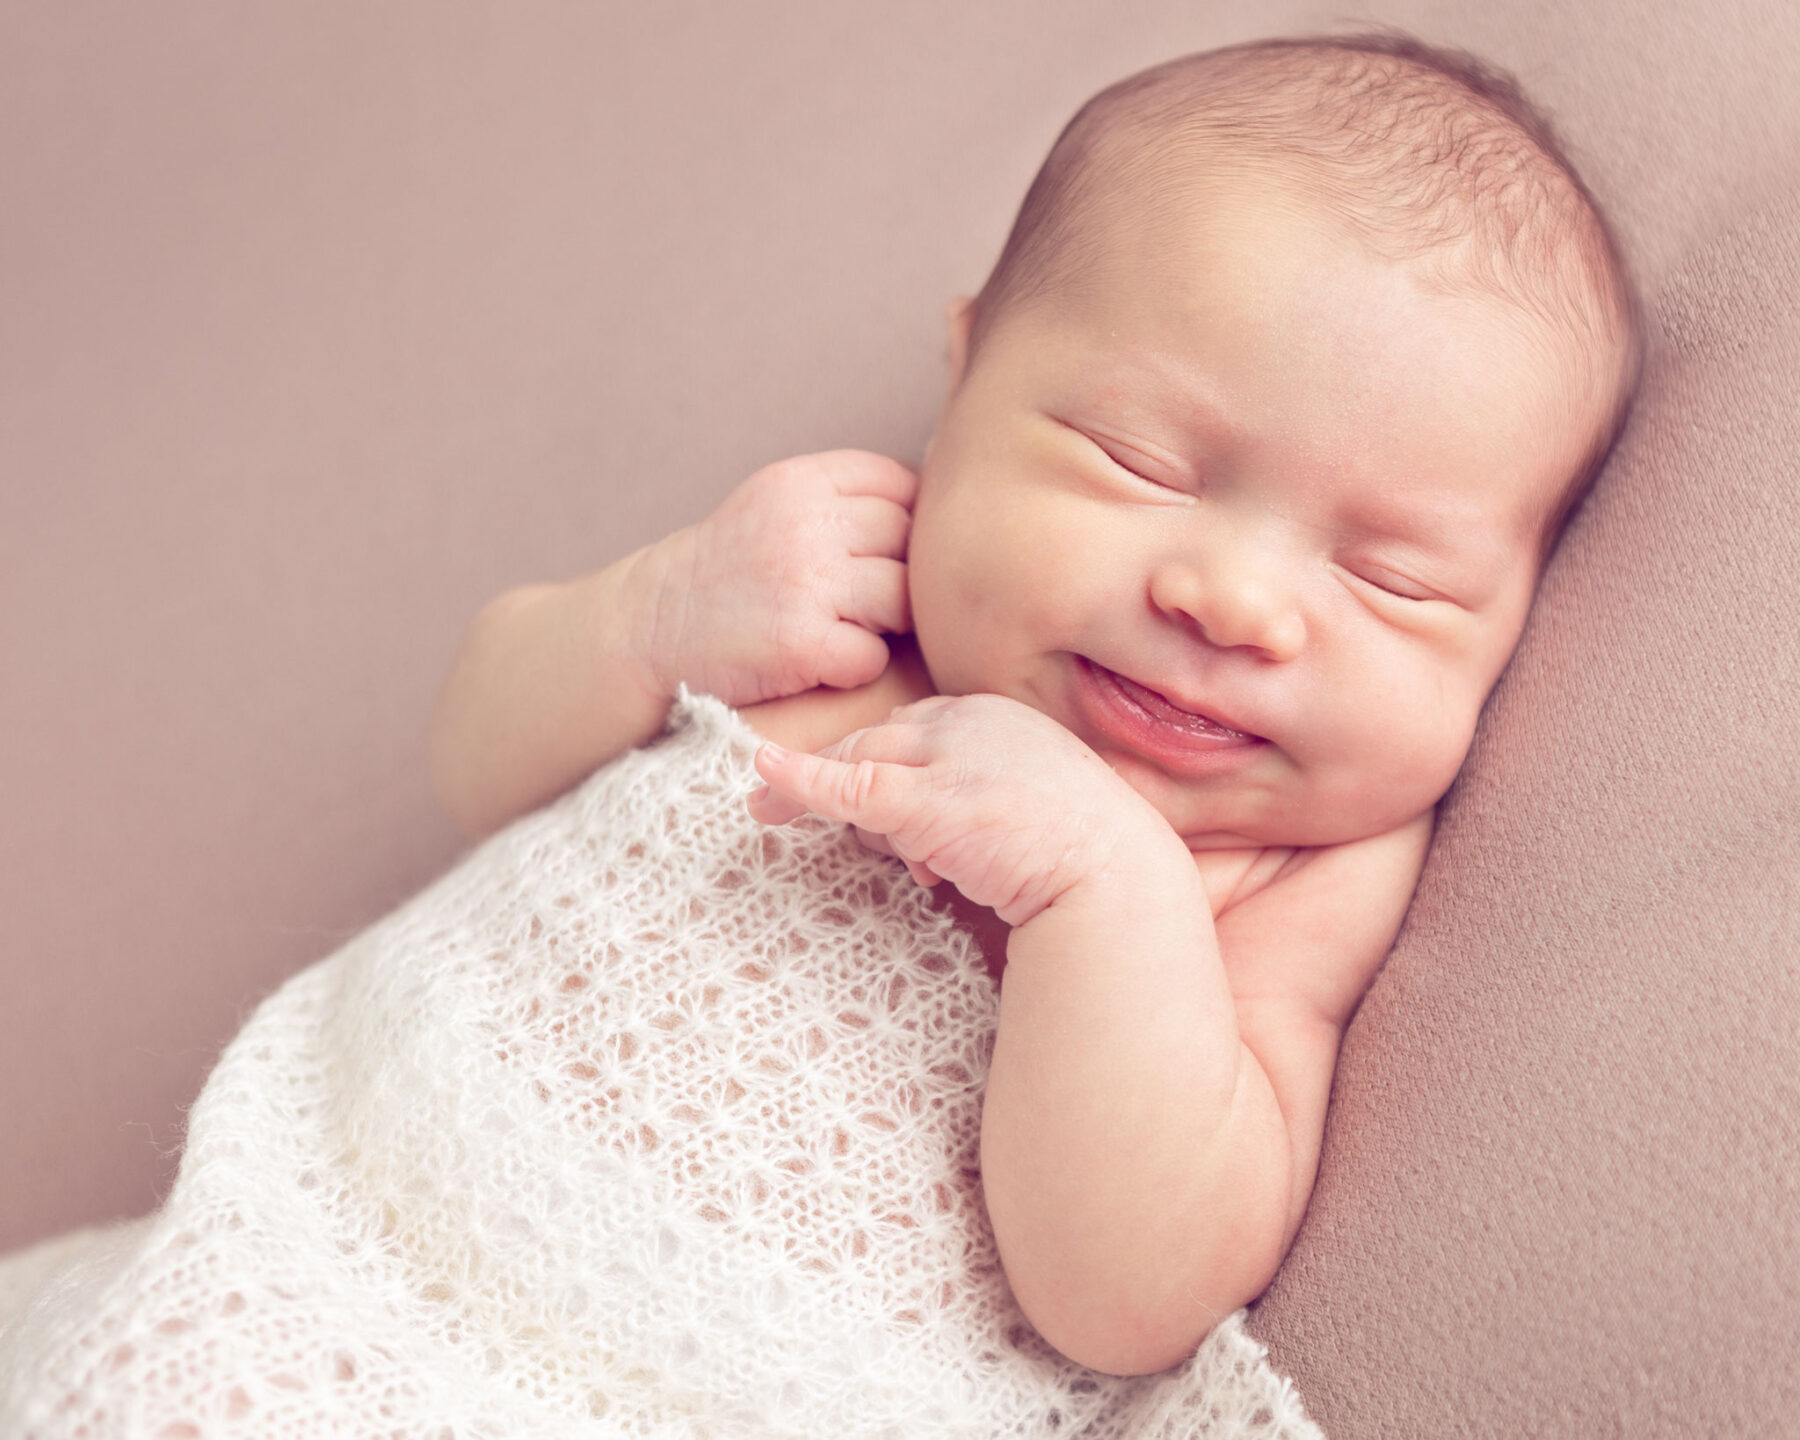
(1131,868)
(646,643)
(613,619)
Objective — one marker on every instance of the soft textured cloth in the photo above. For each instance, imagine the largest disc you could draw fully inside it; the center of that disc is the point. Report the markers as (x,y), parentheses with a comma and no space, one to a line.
(646,1120)
(1558,1191)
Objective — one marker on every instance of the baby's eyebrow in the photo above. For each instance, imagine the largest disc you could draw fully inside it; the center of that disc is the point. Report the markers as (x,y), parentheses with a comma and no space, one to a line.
(1461,534)
(1205,413)
(1437,524)
(1168,387)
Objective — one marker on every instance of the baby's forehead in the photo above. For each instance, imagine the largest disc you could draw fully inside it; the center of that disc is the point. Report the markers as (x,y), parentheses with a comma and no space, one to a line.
(1424,156)
(1471,200)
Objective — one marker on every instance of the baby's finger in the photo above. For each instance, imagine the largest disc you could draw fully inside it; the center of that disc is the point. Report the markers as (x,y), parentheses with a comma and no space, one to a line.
(920,708)
(922,872)
(873,840)
(863,472)
(871,525)
(918,869)
(770,806)
(893,741)
(874,594)
(850,655)
(875,794)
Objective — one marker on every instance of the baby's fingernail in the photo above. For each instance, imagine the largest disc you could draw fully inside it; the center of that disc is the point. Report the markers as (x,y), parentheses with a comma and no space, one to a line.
(761,792)
(774,751)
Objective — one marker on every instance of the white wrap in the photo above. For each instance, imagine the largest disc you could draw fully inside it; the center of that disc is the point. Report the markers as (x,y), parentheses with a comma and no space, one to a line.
(644,1120)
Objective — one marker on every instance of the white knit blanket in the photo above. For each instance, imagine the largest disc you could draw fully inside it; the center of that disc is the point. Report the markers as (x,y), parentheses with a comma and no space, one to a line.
(644,1120)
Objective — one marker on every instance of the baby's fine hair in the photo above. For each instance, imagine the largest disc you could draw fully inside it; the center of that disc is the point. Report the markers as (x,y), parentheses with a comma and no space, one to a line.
(1429,156)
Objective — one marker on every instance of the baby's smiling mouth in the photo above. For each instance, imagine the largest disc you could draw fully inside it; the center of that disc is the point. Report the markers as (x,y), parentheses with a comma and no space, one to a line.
(1150,722)
(1159,706)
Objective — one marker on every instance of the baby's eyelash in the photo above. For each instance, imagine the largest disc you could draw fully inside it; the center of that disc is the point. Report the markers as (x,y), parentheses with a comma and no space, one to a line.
(1412,589)
(1137,474)
(1132,470)
(1109,451)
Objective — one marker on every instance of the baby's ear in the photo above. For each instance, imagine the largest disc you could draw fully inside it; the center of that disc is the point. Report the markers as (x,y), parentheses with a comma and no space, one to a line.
(960,314)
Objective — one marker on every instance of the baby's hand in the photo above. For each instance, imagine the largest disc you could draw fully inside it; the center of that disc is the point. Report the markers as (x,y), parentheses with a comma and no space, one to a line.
(788,584)
(979,790)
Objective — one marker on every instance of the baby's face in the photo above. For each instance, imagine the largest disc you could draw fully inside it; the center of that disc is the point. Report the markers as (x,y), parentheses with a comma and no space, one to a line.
(1253,513)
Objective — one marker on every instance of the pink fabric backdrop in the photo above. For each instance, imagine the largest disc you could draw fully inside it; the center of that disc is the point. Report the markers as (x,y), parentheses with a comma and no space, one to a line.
(321,324)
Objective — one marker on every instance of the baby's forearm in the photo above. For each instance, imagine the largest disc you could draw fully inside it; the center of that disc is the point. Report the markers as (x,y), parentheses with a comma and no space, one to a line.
(1134,1159)
(547,686)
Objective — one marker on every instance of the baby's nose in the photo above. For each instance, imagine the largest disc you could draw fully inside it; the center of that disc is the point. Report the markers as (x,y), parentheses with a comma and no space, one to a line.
(1233,602)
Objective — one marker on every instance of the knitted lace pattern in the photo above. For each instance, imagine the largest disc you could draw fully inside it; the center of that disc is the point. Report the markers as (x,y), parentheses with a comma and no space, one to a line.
(645,1120)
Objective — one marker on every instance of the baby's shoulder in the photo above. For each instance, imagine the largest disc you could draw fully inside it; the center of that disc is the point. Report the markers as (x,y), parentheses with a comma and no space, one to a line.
(1312,925)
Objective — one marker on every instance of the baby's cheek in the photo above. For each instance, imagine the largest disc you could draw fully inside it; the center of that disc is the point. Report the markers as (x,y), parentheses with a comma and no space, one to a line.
(965,595)
(1392,757)
(1424,755)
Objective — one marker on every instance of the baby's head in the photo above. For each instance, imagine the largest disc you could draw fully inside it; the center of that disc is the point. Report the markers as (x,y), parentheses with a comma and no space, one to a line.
(1295,361)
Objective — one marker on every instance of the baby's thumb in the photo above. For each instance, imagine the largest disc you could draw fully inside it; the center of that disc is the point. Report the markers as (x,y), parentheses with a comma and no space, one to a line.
(851,655)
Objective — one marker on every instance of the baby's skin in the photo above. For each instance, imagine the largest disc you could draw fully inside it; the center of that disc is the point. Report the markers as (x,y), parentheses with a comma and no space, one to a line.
(1155,670)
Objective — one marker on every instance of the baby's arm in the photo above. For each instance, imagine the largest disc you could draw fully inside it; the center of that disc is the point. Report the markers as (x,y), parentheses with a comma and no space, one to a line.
(549,683)
(1141,1195)
(1300,954)
(783,588)
(1157,1092)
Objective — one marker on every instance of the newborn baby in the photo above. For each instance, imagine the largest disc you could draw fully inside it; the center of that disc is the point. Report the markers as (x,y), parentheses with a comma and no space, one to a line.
(1257,440)
(654,1117)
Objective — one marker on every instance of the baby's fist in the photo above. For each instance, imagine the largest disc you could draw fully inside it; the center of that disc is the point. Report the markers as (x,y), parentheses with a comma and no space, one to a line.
(789,584)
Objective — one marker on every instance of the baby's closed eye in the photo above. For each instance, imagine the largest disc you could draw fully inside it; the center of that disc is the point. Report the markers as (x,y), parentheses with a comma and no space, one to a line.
(1392,581)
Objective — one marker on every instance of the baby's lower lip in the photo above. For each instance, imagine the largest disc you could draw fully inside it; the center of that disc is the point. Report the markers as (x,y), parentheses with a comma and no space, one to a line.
(1160,707)
(1150,723)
